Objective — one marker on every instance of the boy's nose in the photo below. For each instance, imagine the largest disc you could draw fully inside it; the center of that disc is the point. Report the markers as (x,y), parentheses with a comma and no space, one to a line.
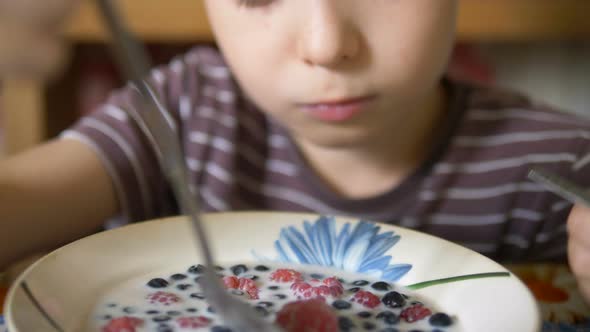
(328,37)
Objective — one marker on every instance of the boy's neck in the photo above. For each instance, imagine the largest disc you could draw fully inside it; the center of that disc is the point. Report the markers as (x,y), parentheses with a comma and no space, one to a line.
(369,169)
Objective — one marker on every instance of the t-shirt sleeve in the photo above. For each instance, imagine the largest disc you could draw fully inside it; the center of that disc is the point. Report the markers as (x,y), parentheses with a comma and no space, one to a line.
(126,153)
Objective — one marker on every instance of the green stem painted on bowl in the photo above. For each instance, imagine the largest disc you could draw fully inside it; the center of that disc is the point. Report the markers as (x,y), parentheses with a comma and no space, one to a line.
(435,282)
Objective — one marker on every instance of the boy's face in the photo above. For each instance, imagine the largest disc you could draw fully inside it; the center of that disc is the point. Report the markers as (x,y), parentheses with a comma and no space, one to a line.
(335,72)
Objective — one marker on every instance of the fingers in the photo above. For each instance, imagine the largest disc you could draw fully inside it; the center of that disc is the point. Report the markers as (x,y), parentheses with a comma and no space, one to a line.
(579,247)
(578,225)
(30,52)
(30,37)
(36,12)
(579,259)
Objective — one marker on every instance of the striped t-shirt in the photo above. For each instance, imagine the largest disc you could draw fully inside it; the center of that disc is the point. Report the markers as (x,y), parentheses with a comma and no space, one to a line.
(473,189)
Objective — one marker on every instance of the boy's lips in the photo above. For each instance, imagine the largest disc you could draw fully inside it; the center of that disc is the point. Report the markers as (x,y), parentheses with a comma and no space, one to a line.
(337,110)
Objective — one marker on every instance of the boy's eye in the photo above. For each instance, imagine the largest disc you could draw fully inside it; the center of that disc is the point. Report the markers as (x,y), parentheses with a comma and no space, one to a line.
(254,3)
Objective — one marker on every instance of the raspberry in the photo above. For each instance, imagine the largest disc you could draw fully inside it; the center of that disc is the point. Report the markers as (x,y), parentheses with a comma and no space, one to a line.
(414,313)
(336,288)
(163,298)
(302,290)
(231,282)
(245,284)
(249,286)
(307,315)
(193,322)
(285,275)
(366,298)
(123,324)
(329,287)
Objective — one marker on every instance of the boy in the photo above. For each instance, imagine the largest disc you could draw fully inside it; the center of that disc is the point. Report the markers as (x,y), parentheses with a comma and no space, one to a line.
(331,106)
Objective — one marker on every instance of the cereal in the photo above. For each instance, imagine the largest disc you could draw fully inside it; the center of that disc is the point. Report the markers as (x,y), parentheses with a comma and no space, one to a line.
(318,297)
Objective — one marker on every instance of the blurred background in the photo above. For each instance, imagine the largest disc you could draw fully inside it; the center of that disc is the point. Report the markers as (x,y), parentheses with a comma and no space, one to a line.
(539,47)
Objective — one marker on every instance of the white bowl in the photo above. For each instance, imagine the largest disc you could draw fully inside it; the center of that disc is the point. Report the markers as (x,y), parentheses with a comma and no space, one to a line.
(68,282)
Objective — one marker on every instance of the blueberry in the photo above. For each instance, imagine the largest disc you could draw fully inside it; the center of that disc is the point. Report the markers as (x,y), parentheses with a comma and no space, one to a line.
(394,300)
(369,326)
(354,289)
(192,310)
(250,276)
(173,313)
(265,304)
(218,328)
(273,287)
(389,329)
(210,309)
(261,268)
(364,314)
(280,296)
(388,317)
(107,317)
(111,305)
(360,282)
(261,310)
(345,323)
(161,318)
(237,292)
(165,328)
(129,310)
(440,320)
(391,320)
(196,269)
(316,276)
(157,283)
(341,304)
(184,286)
(199,296)
(381,286)
(178,276)
(152,312)
(239,269)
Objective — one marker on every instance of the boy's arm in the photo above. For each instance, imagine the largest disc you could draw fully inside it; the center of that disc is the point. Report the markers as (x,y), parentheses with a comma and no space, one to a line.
(51,195)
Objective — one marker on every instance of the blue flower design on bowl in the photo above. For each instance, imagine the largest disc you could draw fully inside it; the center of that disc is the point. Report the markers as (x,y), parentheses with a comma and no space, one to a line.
(359,248)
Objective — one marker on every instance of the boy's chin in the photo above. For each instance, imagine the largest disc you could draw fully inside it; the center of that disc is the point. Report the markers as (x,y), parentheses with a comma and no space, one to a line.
(337,138)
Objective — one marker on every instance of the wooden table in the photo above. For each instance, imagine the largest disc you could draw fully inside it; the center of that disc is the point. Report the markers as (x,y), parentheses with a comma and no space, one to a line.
(562,307)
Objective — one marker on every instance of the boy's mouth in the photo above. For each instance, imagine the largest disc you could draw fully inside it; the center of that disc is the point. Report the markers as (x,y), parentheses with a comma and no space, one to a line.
(337,110)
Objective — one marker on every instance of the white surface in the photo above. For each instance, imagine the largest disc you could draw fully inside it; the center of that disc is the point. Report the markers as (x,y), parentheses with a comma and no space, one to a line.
(555,73)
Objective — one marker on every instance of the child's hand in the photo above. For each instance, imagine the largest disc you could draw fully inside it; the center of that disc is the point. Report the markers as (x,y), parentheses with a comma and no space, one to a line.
(30,43)
(579,247)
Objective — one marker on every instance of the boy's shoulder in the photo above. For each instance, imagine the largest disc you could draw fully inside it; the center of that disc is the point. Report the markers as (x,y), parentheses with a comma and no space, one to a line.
(507,107)
(505,132)
(204,63)
(204,55)
(199,77)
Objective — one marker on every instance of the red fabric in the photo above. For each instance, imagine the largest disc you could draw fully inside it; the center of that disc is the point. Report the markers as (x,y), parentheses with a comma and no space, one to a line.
(3,292)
